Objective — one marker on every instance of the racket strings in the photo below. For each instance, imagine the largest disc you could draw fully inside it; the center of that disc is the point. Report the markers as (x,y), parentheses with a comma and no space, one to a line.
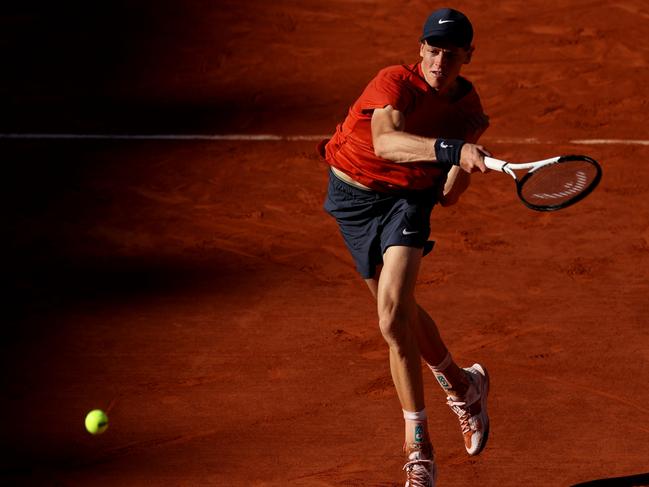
(556,185)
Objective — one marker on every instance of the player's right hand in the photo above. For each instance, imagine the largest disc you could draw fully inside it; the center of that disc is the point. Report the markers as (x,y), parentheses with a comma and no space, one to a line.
(472,158)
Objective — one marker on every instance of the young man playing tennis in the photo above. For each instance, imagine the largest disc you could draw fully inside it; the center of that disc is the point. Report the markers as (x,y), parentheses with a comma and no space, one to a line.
(407,143)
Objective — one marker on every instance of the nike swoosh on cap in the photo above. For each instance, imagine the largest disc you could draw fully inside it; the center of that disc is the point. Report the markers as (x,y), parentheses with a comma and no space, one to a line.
(444,21)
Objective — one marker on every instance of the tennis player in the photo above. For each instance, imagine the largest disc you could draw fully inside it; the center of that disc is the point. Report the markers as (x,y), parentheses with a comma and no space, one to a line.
(408,143)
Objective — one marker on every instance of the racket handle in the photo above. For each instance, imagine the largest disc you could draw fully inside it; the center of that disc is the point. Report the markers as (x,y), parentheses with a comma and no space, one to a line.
(494,164)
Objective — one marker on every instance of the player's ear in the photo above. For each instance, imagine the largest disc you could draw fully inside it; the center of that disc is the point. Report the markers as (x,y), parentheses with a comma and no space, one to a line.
(422,48)
(469,54)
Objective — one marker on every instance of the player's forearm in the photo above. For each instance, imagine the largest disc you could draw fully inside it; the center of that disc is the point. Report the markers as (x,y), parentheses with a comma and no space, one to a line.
(457,183)
(402,147)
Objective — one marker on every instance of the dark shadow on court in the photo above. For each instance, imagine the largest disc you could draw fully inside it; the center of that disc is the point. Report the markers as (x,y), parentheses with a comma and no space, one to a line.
(138,67)
(61,197)
(239,113)
(639,480)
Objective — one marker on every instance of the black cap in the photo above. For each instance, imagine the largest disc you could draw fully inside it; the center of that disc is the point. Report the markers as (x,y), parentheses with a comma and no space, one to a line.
(449,25)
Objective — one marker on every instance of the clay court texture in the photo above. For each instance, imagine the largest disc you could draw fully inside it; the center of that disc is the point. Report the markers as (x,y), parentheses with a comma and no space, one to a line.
(196,290)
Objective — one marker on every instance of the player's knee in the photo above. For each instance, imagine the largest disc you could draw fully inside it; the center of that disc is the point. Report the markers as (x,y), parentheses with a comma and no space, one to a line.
(393,322)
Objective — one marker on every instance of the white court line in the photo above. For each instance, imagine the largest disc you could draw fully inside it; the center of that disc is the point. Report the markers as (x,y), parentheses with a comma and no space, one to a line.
(274,137)
(610,142)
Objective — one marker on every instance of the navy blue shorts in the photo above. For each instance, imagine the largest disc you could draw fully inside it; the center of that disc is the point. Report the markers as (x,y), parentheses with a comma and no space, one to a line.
(370,221)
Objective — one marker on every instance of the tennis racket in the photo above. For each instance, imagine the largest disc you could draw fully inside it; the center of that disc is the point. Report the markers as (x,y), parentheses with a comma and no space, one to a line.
(552,184)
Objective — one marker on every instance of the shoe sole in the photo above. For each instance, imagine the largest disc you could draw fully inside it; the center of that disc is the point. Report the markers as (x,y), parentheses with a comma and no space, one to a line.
(483,407)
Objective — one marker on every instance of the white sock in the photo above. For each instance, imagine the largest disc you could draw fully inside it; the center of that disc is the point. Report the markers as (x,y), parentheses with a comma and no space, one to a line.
(416,427)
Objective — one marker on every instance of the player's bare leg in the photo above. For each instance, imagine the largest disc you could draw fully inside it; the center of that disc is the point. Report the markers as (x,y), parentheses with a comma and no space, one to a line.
(397,311)
(466,389)
(451,378)
(431,347)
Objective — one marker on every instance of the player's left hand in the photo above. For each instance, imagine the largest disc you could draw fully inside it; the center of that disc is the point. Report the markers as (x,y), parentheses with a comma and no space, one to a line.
(472,158)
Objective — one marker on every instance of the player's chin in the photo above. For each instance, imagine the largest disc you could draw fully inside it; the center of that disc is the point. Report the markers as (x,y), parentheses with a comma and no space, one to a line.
(438,81)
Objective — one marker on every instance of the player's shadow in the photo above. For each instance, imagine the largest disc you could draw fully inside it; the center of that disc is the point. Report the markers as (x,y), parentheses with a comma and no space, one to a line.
(639,480)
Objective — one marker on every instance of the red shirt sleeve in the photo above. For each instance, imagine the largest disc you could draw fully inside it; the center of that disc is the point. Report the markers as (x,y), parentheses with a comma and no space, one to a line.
(387,88)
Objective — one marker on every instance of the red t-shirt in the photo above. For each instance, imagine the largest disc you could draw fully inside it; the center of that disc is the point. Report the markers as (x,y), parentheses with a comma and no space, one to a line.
(426,113)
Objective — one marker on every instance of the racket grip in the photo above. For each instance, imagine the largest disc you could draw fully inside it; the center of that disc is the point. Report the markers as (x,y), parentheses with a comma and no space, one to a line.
(494,164)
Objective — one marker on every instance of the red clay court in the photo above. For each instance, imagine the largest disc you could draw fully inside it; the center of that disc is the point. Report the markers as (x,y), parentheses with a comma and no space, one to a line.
(196,290)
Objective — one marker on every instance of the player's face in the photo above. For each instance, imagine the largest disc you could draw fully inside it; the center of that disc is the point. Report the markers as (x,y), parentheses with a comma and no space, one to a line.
(441,64)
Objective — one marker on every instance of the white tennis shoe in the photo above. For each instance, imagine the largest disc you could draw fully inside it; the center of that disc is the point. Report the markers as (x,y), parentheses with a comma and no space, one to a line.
(421,470)
(472,410)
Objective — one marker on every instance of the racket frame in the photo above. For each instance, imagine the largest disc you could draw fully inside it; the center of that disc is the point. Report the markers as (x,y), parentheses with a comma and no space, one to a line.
(510,168)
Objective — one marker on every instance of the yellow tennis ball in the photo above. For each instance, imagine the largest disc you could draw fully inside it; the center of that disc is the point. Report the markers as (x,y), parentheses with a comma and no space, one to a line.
(96,421)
